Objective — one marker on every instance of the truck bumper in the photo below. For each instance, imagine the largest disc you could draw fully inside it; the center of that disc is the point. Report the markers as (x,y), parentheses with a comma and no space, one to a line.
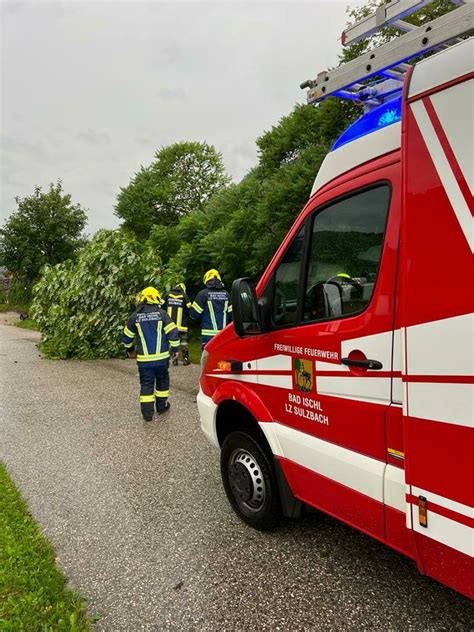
(207,413)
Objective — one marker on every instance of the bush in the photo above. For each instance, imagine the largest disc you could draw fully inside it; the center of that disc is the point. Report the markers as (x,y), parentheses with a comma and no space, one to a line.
(19,292)
(81,307)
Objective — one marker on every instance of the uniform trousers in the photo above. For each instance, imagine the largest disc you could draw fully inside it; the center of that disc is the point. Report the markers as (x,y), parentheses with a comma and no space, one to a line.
(154,387)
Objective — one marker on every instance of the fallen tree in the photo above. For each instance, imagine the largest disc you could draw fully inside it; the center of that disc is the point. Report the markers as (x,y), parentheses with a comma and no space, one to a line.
(81,306)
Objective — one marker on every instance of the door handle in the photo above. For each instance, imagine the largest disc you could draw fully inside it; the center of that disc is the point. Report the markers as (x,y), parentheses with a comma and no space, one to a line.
(374,365)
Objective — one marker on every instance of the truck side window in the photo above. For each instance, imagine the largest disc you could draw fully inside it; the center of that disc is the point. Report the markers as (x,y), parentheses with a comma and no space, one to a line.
(287,277)
(346,248)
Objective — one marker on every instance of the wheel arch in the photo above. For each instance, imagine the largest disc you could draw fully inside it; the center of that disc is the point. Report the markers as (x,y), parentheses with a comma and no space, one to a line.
(231,416)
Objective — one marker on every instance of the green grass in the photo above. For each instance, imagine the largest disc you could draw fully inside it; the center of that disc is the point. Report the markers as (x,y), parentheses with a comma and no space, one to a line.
(27,324)
(195,344)
(33,593)
(11,307)
(195,351)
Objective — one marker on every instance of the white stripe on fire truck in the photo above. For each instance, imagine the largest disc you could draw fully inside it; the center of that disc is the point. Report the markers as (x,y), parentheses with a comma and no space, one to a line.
(371,477)
(454,534)
(463,95)
(275,363)
(277,381)
(442,501)
(375,479)
(443,402)
(352,469)
(444,170)
(441,347)
(364,389)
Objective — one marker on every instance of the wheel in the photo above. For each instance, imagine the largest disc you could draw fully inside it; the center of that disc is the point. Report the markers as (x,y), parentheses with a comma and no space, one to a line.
(249,481)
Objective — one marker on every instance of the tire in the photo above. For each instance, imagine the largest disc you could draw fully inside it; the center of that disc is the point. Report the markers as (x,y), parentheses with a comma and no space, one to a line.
(249,481)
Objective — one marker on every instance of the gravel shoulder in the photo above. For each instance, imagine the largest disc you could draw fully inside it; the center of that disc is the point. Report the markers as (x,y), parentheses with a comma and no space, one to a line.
(9,318)
(142,527)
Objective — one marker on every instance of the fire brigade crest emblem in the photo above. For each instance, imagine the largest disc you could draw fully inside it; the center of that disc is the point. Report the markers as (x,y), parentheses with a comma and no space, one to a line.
(303,375)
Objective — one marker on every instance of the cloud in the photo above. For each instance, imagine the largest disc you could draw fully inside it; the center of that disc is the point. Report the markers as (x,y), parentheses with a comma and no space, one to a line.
(90,90)
(94,137)
(172,94)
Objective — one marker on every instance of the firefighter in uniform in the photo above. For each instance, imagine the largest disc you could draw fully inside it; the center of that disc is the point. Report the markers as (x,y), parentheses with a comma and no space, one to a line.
(154,334)
(212,307)
(177,305)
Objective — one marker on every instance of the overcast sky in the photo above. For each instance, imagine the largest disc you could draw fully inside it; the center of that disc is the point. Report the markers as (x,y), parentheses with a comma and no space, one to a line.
(90,90)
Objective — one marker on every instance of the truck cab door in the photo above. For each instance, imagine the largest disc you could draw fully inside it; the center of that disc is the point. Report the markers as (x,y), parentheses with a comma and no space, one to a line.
(330,348)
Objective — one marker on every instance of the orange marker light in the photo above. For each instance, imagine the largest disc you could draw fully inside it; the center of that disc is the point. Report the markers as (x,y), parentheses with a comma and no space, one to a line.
(422,512)
(223,365)
(229,366)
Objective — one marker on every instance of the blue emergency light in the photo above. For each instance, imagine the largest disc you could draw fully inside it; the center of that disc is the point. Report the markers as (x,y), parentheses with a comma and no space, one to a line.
(382,116)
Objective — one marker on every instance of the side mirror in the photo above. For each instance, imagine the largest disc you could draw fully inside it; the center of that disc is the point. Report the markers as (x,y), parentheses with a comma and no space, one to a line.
(245,312)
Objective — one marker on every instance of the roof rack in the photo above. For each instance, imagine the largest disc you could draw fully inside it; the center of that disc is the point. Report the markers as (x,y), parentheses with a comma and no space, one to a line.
(387,64)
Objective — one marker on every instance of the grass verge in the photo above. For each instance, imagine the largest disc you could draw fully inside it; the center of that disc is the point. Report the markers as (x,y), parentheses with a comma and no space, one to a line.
(195,351)
(27,324)
(33,593)
(11,307)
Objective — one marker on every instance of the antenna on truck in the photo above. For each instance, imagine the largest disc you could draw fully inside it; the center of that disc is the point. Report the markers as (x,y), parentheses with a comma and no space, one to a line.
(388,62)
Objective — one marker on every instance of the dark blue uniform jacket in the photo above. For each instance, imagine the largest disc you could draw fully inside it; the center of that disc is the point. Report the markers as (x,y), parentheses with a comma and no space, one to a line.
(154,334)
(213,307)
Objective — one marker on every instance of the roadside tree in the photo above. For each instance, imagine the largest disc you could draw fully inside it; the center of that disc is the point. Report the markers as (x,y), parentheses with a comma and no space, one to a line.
(182,179)
(46,229)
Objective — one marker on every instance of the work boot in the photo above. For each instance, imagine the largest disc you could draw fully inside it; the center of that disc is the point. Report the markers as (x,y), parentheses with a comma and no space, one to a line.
(175,361)
(186,359)
(147,418)
(164,410)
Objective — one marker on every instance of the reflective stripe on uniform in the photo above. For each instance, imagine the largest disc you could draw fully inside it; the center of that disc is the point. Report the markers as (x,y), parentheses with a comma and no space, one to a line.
(170,311)
(153,357)
(179,317)
(169,328)
(188,305)
(127,345)
(146,399)
(183,329)
(174,343)
(159,327)
(175,295)
(224,315)
(209,332)
(197,307)
(162,393)
(230,308)
(212,315)
(128,333)
(142,338)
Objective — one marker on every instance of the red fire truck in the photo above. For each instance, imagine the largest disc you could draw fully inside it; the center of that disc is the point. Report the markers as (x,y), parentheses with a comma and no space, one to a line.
(346,380)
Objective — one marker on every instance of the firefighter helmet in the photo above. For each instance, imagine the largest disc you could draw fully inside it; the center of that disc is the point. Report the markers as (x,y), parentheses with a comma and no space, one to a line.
(150,295)
(211,274)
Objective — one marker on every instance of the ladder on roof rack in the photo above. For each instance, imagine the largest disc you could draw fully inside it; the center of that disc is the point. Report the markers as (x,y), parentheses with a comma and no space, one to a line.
(388,61)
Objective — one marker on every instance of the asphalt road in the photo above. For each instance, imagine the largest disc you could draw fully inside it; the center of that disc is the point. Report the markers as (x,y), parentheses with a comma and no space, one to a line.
(142,527)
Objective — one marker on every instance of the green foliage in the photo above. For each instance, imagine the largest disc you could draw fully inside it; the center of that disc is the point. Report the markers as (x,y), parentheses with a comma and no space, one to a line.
(14,307)
(244,224)
(182,179)
(19,292)
(28,323)
(81,306)
(165,240)
(46,229)
(188,218)
(33,594)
